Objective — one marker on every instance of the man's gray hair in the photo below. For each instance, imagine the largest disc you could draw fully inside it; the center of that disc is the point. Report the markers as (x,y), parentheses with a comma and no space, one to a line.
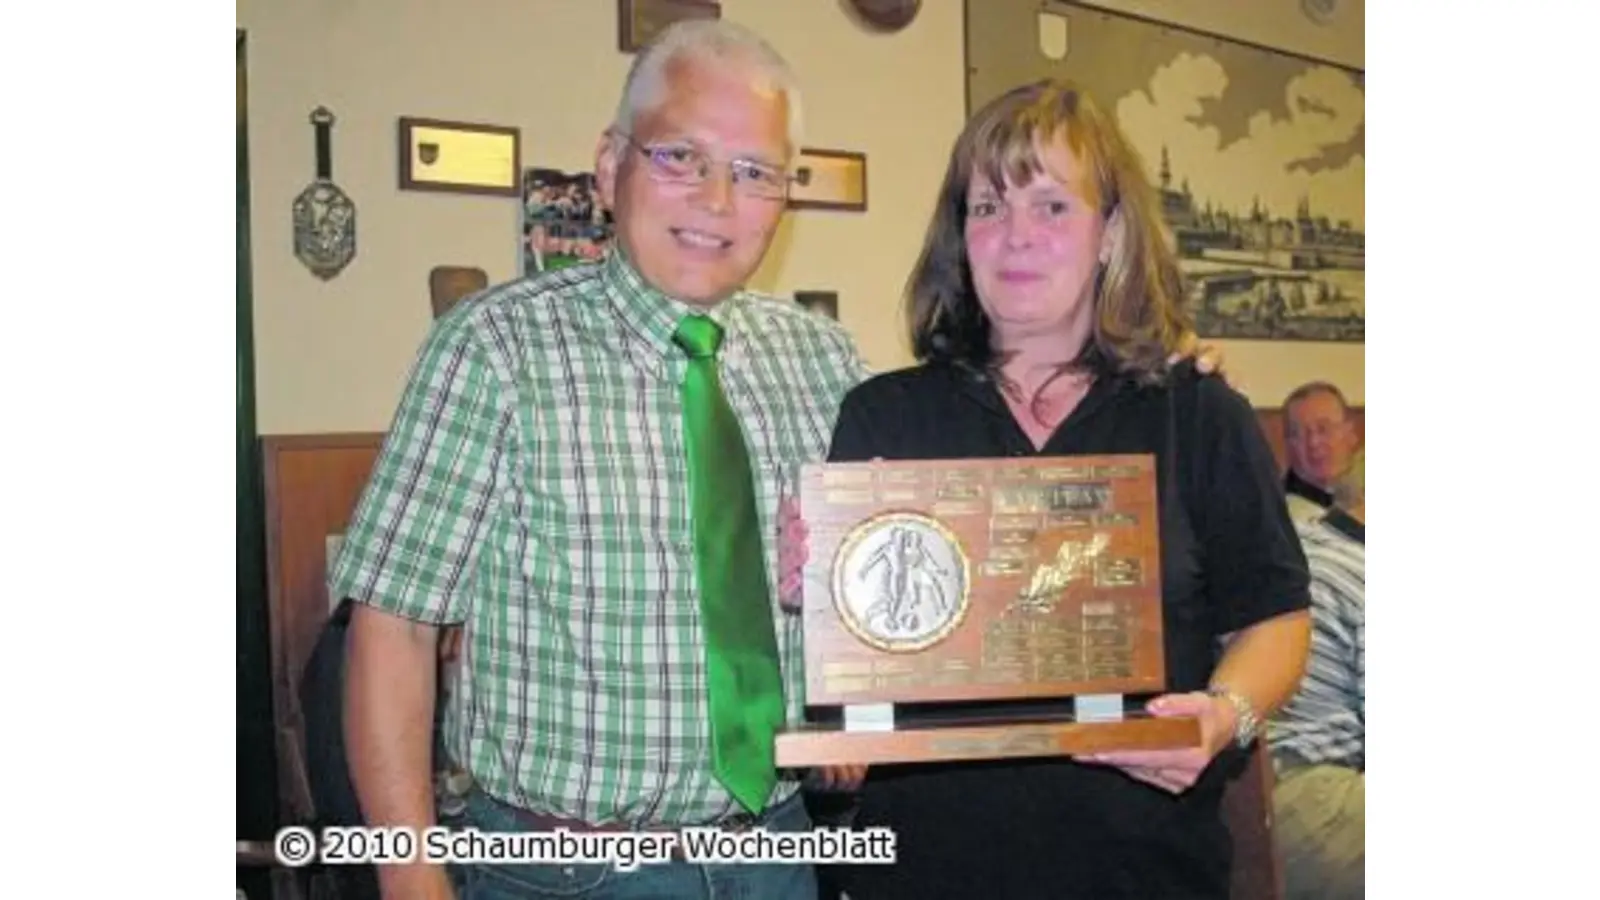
(1316,387)
(705,40)
(1309,389)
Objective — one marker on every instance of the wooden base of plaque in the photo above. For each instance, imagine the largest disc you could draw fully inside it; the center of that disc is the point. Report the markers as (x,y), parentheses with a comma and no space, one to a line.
(831,744)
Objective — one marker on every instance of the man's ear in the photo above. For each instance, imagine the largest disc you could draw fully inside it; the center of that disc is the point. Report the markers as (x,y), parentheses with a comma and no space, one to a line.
(605,169)
(1112,236)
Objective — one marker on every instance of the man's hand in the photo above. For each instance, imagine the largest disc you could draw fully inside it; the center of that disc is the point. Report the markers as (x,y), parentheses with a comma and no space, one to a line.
(792,553)
(1175,771)
(840,778)
(1207,357)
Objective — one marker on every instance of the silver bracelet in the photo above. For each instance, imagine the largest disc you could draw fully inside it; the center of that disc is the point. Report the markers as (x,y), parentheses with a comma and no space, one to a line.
(1247,722)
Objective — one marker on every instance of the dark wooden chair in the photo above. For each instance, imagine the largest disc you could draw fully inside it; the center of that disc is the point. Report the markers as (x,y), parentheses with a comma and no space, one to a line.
(447,285)
(1247,809)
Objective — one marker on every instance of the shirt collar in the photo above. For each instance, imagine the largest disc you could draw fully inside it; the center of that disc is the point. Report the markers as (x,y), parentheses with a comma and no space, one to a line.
(651,317)
(1346,524)
(1294,484)
(981,387)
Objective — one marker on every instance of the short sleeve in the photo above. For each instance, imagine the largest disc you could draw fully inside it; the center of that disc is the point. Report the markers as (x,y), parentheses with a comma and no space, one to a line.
(414,536)
(853,433)
(1255,567)
(853,368)
(845,371)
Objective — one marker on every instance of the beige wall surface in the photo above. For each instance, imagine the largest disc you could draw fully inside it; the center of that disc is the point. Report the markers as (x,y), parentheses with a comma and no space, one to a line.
(332,356)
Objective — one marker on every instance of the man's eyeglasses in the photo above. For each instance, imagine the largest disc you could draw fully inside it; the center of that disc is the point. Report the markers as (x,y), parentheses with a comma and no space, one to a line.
(680,162)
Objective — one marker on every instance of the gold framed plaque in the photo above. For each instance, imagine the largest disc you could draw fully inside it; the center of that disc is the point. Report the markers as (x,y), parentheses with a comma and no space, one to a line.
(460,157)
(639,21)
(829,179)
(947,581)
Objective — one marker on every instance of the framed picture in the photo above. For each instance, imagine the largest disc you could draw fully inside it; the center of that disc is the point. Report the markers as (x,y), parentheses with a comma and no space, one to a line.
(639,21)
(830,179)
(562,221)
(459,157)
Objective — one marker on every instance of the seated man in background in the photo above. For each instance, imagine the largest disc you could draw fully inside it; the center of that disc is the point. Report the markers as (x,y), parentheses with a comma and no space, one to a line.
(1320,440)
(1318,740)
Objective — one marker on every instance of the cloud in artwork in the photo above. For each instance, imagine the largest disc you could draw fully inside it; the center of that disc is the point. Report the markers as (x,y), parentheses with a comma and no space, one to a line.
(1335,156)
(1312,144)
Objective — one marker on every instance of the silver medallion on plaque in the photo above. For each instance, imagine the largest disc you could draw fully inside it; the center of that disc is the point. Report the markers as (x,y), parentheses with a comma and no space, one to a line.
(901,582)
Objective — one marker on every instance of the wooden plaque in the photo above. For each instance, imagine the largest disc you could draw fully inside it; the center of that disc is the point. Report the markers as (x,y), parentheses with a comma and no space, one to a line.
(460,157)
(640,21)
(829,179)
(944,581)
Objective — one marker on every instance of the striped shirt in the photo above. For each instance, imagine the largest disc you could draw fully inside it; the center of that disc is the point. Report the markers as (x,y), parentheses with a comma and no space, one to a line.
(1325,722)
(533,486)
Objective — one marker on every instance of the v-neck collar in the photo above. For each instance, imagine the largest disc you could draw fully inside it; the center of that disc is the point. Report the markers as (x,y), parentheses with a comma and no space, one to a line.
(984,390)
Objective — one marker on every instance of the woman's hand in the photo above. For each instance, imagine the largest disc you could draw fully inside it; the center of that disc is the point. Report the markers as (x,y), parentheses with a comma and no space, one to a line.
(1175,771)
(791,554)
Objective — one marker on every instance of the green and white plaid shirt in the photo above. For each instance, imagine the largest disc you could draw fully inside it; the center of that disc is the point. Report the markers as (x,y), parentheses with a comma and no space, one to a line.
(533,486)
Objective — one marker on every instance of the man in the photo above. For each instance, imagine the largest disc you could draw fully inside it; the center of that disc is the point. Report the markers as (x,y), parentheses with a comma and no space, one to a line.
(1318,740)
(1320,439)
(540,487)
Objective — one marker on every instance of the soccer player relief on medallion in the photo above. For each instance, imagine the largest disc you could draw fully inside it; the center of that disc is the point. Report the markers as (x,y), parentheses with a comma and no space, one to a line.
(1053,35)
(900,582)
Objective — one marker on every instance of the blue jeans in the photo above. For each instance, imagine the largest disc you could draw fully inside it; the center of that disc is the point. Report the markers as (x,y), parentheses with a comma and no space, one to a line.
(673,880)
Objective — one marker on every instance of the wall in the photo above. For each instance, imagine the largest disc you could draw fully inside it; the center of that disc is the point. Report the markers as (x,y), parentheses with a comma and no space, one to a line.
(1270,23)
(1267,371)
(332,355)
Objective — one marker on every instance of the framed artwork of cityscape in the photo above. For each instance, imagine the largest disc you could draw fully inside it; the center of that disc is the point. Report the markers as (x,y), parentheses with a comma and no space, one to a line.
(1259,156)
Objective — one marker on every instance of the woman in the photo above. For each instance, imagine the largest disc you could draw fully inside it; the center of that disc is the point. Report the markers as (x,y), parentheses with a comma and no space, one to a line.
(1044,309)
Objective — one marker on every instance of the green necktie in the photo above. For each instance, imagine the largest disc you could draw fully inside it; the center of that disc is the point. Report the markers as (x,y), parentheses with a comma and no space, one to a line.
(744,686)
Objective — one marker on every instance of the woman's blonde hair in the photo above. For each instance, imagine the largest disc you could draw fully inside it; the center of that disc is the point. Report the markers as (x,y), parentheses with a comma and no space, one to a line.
(1140,315)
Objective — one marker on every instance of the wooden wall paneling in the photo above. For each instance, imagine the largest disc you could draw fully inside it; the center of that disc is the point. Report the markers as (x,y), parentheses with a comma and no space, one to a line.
(312,485)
